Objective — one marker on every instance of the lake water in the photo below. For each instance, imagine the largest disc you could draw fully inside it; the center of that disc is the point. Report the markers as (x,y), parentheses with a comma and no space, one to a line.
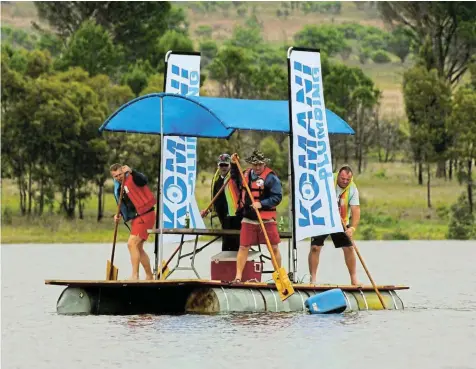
(436,330)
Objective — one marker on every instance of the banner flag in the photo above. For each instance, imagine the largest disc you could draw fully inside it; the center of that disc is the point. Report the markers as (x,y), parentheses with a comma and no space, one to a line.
(179,152)
(315,201)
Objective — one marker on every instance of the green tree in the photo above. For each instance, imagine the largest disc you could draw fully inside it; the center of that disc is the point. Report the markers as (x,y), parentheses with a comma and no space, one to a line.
(208,51)
(51,42)
(91,48)
(462,225)
(177,20)
(136,77)
(231,68)
(39,62)
(463,126)
(353,96)
(427,100)
(278,154)
(155,83)
(171,40)
(381,57)
(375,41)
(326,38)
(400,42)
(134,25)
(204,31)
(246,37)
(449,27)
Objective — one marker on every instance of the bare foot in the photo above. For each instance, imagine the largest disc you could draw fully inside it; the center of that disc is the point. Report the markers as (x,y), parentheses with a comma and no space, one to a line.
(133,278)
(149,277)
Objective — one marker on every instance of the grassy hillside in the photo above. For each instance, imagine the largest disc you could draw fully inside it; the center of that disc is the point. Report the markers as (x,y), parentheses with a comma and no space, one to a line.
(276,30)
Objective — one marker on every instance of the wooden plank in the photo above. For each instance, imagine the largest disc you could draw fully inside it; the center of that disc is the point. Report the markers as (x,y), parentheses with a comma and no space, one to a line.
(209,283)
(206,232)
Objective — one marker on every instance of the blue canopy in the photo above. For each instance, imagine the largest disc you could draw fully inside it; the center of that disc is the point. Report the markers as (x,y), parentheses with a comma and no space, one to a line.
(214,117)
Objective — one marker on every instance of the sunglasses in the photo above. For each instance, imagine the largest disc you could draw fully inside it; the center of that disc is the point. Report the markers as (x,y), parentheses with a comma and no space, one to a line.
(224,165)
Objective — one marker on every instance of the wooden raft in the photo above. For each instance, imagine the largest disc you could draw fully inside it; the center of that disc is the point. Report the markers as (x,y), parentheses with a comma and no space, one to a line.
(209,283)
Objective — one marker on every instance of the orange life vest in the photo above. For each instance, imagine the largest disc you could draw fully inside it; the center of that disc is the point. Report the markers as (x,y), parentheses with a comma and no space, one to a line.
(259,192)
(142,197)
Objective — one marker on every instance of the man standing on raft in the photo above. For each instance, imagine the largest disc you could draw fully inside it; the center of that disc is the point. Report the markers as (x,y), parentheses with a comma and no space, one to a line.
(349,209)
(138,205)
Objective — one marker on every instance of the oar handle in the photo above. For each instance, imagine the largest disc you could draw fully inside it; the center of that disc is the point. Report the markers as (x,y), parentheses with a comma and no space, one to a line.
(260,220)
(116,225)
(222,188)
(374,285)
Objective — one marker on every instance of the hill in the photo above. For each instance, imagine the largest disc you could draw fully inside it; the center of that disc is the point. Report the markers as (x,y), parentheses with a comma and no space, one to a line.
(276,30)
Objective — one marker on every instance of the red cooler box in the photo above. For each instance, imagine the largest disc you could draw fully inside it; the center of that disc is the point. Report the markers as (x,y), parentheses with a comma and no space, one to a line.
(223,266)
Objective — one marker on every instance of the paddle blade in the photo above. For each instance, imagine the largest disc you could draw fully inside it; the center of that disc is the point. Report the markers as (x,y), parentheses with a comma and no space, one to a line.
(115,272)
(283,284)
(165,272)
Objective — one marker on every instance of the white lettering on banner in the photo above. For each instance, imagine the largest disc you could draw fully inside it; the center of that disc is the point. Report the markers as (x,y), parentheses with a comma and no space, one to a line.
(180,154)
(315,201)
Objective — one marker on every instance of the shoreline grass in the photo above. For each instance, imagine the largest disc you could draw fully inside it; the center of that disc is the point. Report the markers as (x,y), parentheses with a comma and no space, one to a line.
(393,207)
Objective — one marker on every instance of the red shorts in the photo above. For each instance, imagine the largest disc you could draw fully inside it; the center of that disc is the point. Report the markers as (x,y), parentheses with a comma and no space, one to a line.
(252,235)
(142,223)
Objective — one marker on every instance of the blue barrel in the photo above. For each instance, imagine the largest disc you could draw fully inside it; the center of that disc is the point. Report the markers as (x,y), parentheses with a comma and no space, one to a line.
(327,302)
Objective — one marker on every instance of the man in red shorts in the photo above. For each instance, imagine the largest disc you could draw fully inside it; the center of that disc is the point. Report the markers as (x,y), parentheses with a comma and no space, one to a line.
(138,205)
(267,193)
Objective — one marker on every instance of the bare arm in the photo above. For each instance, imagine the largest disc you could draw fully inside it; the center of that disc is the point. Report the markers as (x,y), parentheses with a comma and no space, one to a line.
(355,211)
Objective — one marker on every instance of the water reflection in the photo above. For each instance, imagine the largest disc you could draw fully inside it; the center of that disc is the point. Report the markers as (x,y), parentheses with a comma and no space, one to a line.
(277,320)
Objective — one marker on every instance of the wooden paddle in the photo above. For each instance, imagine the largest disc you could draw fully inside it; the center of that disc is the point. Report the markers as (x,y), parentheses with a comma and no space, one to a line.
(366,270)
(216,195)
(111,270)
(281,278)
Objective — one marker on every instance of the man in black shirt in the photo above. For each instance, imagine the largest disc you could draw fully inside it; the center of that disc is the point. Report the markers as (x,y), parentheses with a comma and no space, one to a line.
(226,203)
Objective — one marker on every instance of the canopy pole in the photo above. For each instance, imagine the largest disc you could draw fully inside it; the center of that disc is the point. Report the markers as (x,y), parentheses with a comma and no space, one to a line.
(291,173)
(161,201)
(157,215)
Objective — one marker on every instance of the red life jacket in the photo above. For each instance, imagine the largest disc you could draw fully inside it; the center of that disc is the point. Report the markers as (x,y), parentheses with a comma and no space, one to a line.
(258,193)
(142,197)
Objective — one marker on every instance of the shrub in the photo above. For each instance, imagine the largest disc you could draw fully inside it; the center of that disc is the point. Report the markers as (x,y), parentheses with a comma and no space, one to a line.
(443,212)
(378,219)
(7,217)
(380,174)
(398,234)
(368,233)
(381,57)
(462,225)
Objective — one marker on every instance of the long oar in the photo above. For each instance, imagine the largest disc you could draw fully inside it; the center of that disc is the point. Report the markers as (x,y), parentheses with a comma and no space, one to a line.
(281,278)
(217,194)
(111,270)
(367,271)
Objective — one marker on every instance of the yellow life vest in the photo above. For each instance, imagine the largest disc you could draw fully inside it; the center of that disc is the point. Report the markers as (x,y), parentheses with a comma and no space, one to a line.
(344,199)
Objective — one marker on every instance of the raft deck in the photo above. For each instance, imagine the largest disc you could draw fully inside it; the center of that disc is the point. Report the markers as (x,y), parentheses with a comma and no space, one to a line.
(181,296)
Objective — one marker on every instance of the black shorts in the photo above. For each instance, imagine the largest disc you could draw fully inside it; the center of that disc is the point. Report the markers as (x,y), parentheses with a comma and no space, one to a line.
(340,240)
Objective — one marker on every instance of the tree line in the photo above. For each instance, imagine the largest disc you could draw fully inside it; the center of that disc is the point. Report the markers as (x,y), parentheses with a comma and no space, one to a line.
(58,87)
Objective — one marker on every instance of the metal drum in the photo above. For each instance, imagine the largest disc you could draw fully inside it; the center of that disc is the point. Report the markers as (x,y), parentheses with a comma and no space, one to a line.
(225,300)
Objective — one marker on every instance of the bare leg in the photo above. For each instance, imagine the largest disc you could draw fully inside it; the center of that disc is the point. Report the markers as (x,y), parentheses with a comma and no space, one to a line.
(132,244)
(145,261)
(313,260)
(277,254)
(241,258)
(350,261)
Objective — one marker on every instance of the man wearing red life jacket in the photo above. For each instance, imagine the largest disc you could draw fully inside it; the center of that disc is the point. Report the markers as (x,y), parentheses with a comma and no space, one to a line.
(138,205)
(267,192)
(226,204)
(349,209)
